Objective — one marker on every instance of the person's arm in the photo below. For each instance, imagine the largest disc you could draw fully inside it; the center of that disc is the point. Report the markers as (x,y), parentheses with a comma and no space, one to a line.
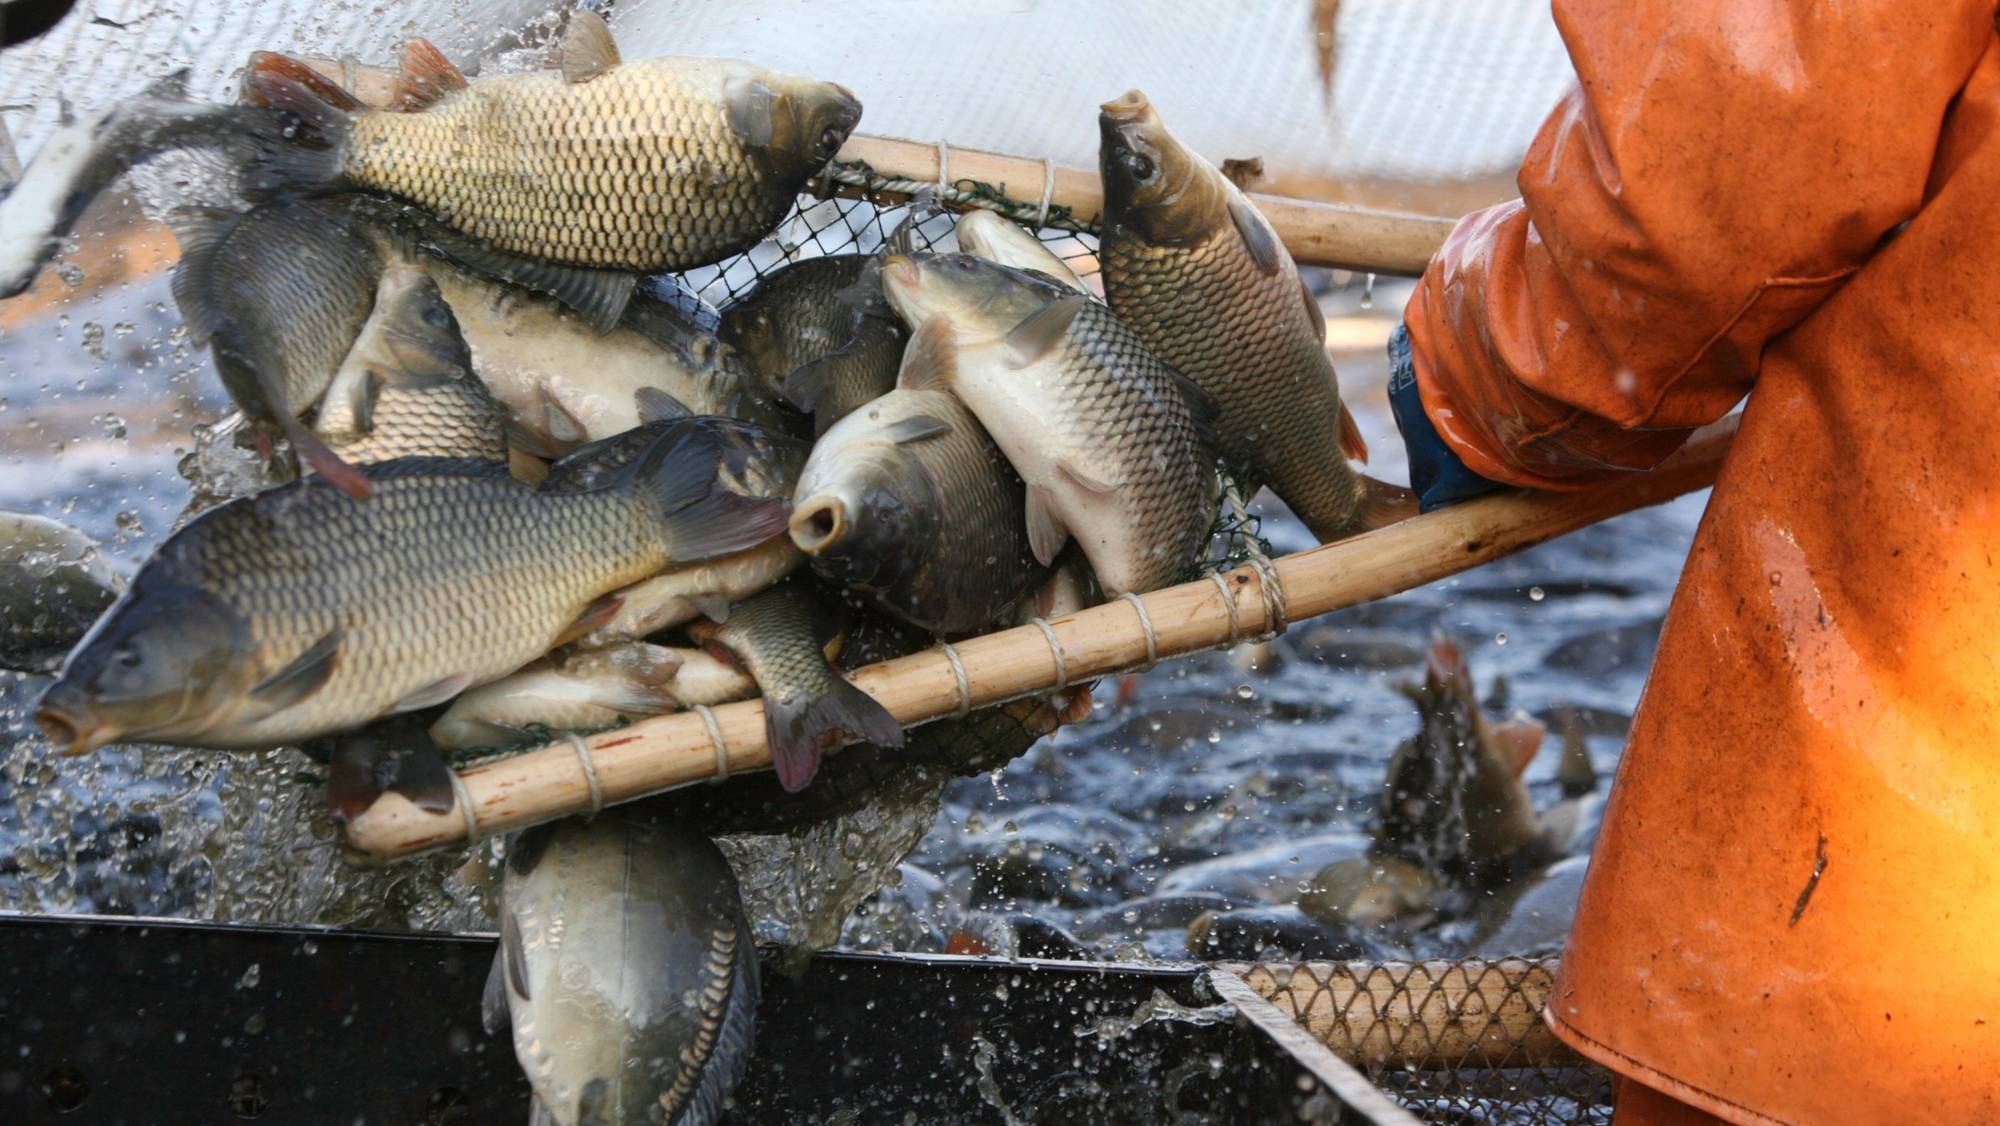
(1720,167)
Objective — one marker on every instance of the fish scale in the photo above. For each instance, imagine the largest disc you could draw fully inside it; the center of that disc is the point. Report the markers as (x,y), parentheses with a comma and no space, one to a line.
(459,570)
(1247,339)
(635,169)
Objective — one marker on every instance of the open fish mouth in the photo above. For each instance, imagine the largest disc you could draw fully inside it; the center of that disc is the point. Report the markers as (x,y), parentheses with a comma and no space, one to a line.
(72,732)
(819,524)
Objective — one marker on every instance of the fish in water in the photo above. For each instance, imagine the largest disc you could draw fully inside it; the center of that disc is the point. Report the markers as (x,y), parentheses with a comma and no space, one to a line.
(1201,277)
(588,691)
(627,970)
(986,234)
(88,154)
(817,333)
(572,180)
(756,464)
(54,582)
(299,612)
(279,295)
(1455,817)
(909,500)
(1114,445)
(565,385)
(809,708)
(406,388)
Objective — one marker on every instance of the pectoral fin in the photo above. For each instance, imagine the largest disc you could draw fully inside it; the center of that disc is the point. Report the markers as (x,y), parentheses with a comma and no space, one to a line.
(1317,314)
(586,49)
(1351,442)
(930,360)
(562,423)
(516,958)
(433,694)
(306,674)
(917,428)
(493,1015)
(595,616)
(1046,531)
(1257,236)
(655,405)
(1083,478)
(1043,331)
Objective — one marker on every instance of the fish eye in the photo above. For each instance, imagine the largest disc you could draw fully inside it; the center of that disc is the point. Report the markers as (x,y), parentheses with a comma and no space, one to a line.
(436,315)
(965,262)
(830,138)
(1138,164)
(126,657)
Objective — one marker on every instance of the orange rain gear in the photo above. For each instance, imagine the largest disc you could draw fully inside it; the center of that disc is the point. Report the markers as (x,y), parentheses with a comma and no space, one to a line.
(1793,913)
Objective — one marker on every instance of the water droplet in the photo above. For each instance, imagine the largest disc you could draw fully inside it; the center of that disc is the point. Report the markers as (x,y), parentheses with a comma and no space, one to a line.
(1499,639)
(1368,292)
(1536,594)
(251,976)
(70,273)
(1245,692)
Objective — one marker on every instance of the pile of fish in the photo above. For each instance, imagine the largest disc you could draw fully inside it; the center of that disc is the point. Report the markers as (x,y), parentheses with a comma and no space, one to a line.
(539,495)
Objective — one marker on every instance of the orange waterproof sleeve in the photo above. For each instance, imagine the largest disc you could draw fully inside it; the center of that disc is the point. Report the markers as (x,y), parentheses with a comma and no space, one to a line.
(1719,168)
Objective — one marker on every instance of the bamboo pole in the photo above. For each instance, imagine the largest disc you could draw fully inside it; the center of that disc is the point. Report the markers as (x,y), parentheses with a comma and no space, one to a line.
(669,751)
(1418,1016)
(1318,234)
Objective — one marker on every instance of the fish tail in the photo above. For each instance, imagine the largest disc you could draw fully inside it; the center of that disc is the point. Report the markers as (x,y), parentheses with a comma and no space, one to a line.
(678,474)
(803,726)
(303,149)
(321,459)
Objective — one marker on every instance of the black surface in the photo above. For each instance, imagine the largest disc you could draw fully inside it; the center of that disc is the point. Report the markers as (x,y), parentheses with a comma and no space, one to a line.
(147,1021)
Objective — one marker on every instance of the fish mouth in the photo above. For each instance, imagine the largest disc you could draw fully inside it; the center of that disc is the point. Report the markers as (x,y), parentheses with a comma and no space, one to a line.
(1131,107)
(72,732)
(819,524)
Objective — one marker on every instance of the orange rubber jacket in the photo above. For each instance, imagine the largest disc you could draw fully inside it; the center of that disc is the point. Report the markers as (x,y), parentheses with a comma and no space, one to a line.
(1793,913)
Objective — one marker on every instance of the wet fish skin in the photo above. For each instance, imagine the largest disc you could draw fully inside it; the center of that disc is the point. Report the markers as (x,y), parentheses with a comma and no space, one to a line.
(685,161)
(589,690)
(406,388)
(809,708)
(54,582)
(1202,278)
(273,618)
(909,500)
(805,333)
(1113,445)
(986,234)
(627,970)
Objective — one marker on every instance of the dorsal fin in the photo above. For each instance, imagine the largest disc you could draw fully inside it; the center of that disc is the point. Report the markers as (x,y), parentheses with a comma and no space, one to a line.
(279,80)
(586,49)
(1245,172)
(1043,330)
(425,77)
(1257,237)
(930,359)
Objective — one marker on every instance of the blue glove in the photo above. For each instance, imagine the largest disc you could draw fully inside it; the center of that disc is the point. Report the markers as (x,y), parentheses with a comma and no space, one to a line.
(1437,476)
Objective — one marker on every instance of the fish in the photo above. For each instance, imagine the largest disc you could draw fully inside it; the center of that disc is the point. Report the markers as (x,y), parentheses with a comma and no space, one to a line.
(395,754)
(299,612)
(1454,819)
(589,690)
(407,388)
(54,582)
(817,334)
(986,234)
(757,463)
(1114,446)
(809,708)
(87,154)
(572,180)
(564,385)
(627,971)
(910,501)
(1202,278)
(279,294)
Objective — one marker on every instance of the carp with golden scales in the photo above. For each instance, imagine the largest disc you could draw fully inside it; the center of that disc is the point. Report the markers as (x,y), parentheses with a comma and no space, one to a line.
(570,180)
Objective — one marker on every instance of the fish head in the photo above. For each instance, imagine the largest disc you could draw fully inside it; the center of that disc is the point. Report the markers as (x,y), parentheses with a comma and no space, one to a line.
(1153,184)
(860,501)
(418,340)
(168,665)
(797,124)
(977,296)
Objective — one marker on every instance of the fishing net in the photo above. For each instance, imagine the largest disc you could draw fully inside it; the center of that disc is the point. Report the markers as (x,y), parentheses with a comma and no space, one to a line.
(1453,1041)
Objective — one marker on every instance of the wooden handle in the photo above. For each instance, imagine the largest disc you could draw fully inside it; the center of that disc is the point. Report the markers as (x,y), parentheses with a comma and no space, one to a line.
(1318,234)
(664,752)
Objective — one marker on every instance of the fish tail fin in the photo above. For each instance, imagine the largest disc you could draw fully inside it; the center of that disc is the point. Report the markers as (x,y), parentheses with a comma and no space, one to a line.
(802,729)
(678,474)
(1382,504)
(321,459)
(305,149)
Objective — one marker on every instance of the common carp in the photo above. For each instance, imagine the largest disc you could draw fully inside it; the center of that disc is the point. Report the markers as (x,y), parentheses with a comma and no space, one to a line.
(299,612)
(588,691)
(816,332)
(54,582)
(1113,445)
(574,179)
(986,234)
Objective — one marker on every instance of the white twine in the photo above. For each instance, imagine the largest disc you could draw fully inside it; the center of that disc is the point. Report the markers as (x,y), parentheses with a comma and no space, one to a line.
(1229,601)
(1146,624)
(1268,586)
(1055,650)
(1048,194)
(589,771)
(958,674)
(463,797)
(944,166)
(715,737)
